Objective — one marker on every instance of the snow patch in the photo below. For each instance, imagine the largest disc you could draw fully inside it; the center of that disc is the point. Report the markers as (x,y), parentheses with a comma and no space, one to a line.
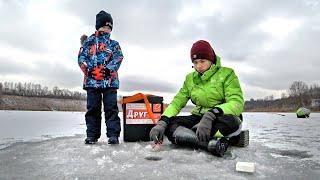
(95,150)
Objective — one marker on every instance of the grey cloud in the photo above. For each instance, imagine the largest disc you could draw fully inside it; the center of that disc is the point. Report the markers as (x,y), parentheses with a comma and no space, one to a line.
(52,75)
(16,30)
(9,67)
(231,32)
(136,83)
(298,59)
(150,23)
(138,22)
(57,75)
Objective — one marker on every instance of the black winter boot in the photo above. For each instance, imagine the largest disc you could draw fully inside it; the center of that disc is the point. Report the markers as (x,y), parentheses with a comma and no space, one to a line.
(218,147)
(241,140)
(90,140)
(185,137)
(113,140)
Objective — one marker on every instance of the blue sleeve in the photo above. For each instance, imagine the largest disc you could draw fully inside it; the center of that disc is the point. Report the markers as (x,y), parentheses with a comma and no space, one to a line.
(83,54)
(116,58)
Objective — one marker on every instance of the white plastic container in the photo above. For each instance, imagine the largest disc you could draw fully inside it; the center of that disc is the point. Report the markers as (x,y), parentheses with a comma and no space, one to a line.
(245,167)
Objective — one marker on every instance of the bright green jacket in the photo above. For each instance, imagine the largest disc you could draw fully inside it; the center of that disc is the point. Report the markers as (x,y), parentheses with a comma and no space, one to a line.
(217,87)
(303,111)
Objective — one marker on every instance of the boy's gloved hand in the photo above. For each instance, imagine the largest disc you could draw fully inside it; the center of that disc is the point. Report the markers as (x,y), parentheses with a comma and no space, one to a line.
(99,72)
(157,132)
(205,125)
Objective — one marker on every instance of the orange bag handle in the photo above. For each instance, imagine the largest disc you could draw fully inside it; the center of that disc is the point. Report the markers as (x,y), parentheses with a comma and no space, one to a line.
(140,96)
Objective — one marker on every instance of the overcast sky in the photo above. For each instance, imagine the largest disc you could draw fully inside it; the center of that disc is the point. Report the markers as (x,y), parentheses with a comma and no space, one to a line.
(269,44)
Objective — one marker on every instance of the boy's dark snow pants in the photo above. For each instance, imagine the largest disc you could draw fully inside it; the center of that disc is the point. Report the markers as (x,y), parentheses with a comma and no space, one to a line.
(93,115)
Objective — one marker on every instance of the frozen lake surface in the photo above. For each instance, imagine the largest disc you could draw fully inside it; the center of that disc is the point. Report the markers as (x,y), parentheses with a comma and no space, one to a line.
(49,145)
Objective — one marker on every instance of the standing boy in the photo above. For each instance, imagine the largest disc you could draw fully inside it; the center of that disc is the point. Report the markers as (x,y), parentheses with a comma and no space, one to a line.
(100,58)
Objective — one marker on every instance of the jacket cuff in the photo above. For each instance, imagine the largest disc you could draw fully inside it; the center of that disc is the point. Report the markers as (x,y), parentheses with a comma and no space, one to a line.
(217,111)
(165,119)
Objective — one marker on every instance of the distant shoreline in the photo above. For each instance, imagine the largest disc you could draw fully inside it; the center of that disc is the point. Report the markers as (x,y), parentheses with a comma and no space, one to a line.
(23,103)
(13,102)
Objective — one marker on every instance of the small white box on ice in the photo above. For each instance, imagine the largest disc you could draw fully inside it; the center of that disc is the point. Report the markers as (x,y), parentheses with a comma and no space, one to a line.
(245,167)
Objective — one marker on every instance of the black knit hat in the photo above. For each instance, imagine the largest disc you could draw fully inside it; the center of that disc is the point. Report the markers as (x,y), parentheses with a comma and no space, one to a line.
(102,18)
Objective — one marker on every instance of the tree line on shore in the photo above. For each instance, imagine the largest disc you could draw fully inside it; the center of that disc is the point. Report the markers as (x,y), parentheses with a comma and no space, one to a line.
(298,95)
(36,90)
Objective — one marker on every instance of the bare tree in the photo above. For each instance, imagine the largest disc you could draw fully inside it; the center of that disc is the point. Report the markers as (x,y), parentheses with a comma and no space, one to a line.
(298,88)
(271,98)
(1,89)
(36,90)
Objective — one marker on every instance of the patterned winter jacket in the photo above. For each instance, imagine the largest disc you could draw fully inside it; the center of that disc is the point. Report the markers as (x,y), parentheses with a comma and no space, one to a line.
(99,50)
